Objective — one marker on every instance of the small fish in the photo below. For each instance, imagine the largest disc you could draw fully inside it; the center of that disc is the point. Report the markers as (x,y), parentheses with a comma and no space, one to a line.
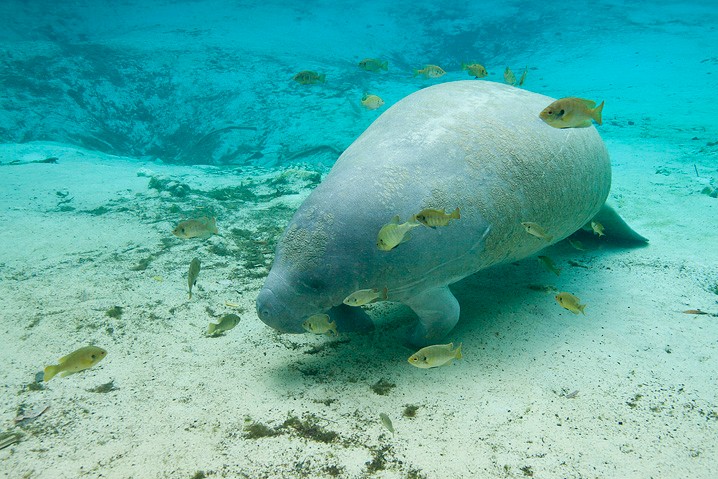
(577,244)
(536,230)
(373,65)
(366,296)
(694,311)
(386,422)
(371,102)
(201,228)
(10,440)
(434,356)
(597,228)
(307,77)
(392,234)
(523,76)
(158,278)
(475,69)
(570,302)
(192,274)
(509,76)
(572,394)
(549,265)
(226,322)
(430,71)
(231,305)
(76,361)
(320,324)
(572,112)
(433,218)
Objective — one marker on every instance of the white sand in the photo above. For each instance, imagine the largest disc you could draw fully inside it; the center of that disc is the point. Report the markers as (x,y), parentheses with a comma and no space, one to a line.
(645,372)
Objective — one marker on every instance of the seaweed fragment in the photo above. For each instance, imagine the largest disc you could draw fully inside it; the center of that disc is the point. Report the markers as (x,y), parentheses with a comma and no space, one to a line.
(104,388)
(114,312)
(309,429)
(382,387)
(410,410)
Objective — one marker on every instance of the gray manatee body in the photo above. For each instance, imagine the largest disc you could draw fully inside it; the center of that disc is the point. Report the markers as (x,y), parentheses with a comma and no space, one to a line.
(476,145)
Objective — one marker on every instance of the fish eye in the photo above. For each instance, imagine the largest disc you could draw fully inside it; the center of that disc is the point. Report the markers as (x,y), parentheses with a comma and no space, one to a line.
(561,112)
(92,356)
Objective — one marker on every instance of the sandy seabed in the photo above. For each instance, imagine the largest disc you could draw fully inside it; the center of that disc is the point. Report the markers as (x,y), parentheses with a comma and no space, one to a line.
(87,257)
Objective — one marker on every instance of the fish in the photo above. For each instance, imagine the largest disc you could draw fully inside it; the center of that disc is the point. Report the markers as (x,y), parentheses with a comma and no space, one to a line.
(371,102)
(392,234)
(194,266)
(308,77)
(76,361)
(572,112)
(373,65)
(386,422)
(694,311)
(475,69)
(536,230)
(226,322)
(577,244)
(549,265)
(201,228)
(509,76)
(597,228)
(523,76)
(433,218)
(366,296)
(435,356)
(430,71)
(320,324)
(570,302)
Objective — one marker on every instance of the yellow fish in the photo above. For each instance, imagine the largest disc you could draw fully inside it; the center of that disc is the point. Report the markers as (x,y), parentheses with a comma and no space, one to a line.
(320,324)
(523,76)
(597,228)
(536,230)
(509,76)
(572,112)
(434,356)
(433,218)
(373,65)
(548,264)
(371,102)
(226,322)
(366,296)
(475,69)
(430,71)
(570,302)
(76,361)
(577,244)
(307,77)
(192,274)
(196,228)
(392,234)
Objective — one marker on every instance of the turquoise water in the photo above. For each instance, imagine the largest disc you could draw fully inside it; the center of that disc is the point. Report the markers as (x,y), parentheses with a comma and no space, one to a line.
(118,120)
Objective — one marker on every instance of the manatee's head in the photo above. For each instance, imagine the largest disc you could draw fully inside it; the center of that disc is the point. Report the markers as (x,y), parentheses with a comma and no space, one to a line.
(307,277)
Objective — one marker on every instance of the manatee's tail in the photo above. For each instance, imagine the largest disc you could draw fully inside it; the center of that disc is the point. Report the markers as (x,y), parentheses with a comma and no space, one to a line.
(50,372)
(616,230)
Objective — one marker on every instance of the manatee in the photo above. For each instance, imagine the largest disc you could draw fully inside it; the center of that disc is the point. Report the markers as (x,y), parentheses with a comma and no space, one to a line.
(476,145)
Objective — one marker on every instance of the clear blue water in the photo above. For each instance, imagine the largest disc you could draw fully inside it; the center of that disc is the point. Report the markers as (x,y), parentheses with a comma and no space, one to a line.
(170,85)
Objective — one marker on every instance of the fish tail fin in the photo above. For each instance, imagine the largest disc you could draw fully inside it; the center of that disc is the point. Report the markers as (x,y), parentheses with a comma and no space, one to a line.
(385,66)
(581,308)
(213,225)
(384,293)
(322,78)
(457,352)
(50,372)
(211,328)
(463,66)
(417,73)
(456,214)
(597,113)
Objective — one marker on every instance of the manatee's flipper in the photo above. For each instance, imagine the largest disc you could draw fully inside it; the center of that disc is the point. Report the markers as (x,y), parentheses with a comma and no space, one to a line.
(438,312)
(350,319)
(617,231)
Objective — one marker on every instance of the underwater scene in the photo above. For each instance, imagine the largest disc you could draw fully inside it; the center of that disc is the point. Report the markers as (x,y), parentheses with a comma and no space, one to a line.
(391,239)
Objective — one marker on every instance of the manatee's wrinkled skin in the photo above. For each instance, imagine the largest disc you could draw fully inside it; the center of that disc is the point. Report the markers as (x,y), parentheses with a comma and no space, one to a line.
(473,144)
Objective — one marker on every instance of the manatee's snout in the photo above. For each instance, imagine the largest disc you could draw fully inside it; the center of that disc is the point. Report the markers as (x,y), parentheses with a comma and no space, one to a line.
(273,312)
